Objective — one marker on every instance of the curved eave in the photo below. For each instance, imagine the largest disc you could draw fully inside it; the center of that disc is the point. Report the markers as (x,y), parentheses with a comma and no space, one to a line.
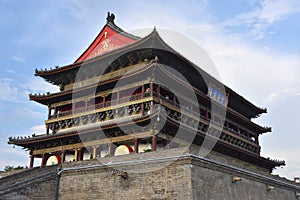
(57,70)
(153,40)
(252,110)
(235,116)
(48,98)
(46,74)
(27,141)
(231,150)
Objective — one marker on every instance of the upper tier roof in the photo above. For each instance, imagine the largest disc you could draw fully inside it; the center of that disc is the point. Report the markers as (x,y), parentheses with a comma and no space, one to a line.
(128,43)
(110,37)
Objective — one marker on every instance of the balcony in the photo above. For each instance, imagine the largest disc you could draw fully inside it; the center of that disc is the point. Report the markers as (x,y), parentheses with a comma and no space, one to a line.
(140,103)
(106,104)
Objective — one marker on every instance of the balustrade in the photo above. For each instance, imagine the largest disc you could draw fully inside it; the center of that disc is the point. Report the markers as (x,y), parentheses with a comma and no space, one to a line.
(100,105)
(188,108)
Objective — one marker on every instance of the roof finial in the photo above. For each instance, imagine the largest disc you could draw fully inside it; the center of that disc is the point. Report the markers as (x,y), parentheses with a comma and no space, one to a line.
(110,17)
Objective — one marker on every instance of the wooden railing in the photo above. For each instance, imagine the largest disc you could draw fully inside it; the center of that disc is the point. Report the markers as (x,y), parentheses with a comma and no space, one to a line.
(185,108)
(190,109)
(125,99)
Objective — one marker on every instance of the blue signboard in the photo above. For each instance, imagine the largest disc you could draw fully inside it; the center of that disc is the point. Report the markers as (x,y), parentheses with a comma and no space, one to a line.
(217,95)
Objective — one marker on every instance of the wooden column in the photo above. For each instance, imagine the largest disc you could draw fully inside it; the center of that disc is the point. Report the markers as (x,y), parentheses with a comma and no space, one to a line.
(151,89)
(151,106)
(55,112)
(256,139)
(44,159)
(136,145)
(118,97)
(174,100)
(258,150)
(63,156)
(143,108)
(151,95)
(226,124)
(49,116)
(143,96)
(206,114)
(31,161)
(76,155)
(94,152)
(53,128)
(248,136)
(143,91)
(85,105)
(47,129)
(53,124)
(158,91)
(103,103)
(49,112)
(153,145)
(81,154)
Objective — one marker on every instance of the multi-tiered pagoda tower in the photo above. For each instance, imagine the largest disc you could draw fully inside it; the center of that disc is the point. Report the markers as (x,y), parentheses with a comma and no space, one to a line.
(115,99)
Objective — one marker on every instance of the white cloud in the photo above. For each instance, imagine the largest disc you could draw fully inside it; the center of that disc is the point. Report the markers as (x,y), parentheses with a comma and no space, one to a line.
(261,18)
(262,73)
(259,71)
(18,92)
(10,71)
(8,91)
(271,97)
(23,113)
(292,167)
(275,10)
(13,157)
(38,129)
(19,114)
(14,151)
(291,170)
(18,59)
(39,85)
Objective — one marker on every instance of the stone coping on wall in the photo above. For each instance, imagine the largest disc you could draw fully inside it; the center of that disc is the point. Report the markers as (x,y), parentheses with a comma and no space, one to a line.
(163,158)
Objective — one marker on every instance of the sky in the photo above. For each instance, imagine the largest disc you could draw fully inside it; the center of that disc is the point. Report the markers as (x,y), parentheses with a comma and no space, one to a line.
(254,45)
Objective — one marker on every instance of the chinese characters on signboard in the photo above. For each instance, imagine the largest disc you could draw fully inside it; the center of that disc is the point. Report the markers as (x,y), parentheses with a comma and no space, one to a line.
(217,95)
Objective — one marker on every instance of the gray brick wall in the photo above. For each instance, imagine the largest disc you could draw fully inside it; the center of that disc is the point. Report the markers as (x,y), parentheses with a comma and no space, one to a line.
(34,184)
(188,177)
(208,184)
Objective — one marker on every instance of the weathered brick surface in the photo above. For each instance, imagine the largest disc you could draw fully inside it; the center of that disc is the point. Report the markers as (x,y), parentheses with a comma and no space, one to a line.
(20,175)
(188,177)
(213,155)
(37,183)
(42,191)
(217,185)
(170,182)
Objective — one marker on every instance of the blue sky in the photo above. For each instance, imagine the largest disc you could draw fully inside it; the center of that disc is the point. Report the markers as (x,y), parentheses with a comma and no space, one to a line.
(254,44)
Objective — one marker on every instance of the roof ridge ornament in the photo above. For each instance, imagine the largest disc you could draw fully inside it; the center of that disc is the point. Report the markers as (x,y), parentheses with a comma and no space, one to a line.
(110,18)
